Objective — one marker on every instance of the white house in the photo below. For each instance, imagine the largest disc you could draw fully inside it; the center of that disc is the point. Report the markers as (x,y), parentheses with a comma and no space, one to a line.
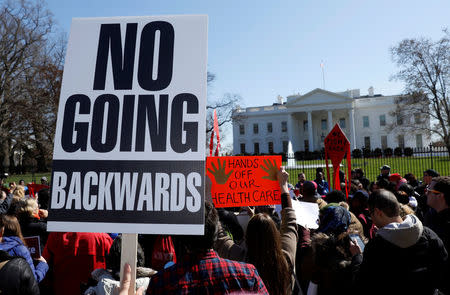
(303,121)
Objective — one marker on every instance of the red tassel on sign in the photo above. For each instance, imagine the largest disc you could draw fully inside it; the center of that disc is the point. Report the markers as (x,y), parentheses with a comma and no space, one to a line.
(211,143)
(216,130)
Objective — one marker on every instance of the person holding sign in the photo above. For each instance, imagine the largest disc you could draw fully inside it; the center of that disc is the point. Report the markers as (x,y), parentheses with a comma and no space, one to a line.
(263,237)
(11,241)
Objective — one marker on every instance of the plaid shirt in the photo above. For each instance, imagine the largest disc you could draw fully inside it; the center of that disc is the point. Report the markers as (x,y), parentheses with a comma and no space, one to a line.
(208,274)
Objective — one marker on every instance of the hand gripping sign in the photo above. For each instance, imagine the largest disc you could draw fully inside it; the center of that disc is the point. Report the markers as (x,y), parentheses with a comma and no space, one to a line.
(244,181)
(336,146)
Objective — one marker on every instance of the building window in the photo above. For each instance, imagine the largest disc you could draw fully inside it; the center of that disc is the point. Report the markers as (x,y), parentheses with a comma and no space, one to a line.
(283,126)
(241,129)
(417,118)
(384,142)
(255,129)
(401,141)
(269,127)
(256,148)
(382,120)
(305,125)
(365,121)
(306,145)
(270,147)
(242,148)
(367,142)
(399,120)
(342,123)
(285,146)
(419,143)
(324,124)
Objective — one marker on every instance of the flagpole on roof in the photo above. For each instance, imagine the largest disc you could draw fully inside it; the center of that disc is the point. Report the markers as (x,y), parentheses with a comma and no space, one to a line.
(323,74)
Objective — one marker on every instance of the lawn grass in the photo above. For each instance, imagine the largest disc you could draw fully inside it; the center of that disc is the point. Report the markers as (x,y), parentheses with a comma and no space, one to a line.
(371,166)
(31,177)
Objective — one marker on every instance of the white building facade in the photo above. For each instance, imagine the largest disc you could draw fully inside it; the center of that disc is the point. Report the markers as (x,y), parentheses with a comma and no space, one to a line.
(303,121)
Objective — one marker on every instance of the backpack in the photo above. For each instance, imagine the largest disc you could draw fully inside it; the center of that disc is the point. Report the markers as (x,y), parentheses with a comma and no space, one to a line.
(163,252)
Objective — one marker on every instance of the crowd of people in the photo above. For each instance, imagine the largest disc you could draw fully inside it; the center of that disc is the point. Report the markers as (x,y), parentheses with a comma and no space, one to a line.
(389,236)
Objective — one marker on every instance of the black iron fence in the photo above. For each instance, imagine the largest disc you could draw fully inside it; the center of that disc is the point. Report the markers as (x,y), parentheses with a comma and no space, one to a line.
(401,161)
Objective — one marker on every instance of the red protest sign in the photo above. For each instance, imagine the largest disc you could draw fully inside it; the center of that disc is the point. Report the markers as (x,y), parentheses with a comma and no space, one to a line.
(244,181)
(336,146)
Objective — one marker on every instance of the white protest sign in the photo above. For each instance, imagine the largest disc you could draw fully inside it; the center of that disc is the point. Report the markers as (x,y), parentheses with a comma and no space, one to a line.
(307,214)
(129,150)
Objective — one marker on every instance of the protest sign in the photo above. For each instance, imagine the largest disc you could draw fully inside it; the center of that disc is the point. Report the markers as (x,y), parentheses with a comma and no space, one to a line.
(336,147)
(129,150)
(307,214)
(34,246)
(244,181)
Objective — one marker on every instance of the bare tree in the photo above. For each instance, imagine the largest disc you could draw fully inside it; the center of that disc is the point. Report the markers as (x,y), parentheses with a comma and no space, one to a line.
(224,107)
(25,39)
(425,70)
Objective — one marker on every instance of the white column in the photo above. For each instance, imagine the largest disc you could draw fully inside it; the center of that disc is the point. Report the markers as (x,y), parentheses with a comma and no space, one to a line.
(352,128)
(330,121)
(310,133)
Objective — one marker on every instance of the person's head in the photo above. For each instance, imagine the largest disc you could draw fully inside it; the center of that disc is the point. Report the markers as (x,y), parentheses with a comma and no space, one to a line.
(334,219)
(411,178)
(200,244)
(407,188)
(28,207)
(44,180)
(301,177)
(383,207)
(373,186)
(10,227)
(22,182)
(383,183)
(43,198)
(359,173)
(19,192)
(335,196)
(263,240)
(438,193)
(355,186)
(309,189)
(429,174)
(385,170)
(359,201)
(319,175)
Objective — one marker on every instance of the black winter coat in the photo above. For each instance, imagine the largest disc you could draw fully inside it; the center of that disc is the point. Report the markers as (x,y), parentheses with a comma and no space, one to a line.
(389,269)
(16,276)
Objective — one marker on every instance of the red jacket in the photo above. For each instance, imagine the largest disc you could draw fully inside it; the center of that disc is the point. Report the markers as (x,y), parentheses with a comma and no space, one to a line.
(73,256)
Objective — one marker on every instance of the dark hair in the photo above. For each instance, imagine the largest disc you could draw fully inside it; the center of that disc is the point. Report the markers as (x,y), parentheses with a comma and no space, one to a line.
(335,196)
(11,227)
(383,183)
(230,223)
(264,252)
(385,201)
(112,259)
(198,244)
(406,188)
(442,184)
(43,198)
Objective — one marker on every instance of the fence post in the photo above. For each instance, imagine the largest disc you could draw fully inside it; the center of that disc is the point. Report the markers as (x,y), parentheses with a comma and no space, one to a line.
(431,155)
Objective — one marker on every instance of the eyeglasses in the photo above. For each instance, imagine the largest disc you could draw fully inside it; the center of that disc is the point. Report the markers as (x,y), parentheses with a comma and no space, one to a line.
(432,191)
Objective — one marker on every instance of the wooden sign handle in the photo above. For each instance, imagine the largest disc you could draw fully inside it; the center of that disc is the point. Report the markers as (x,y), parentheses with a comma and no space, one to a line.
(129,255)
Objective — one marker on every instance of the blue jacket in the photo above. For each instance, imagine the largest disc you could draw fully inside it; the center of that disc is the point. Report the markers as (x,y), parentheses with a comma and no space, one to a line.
(15,247)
